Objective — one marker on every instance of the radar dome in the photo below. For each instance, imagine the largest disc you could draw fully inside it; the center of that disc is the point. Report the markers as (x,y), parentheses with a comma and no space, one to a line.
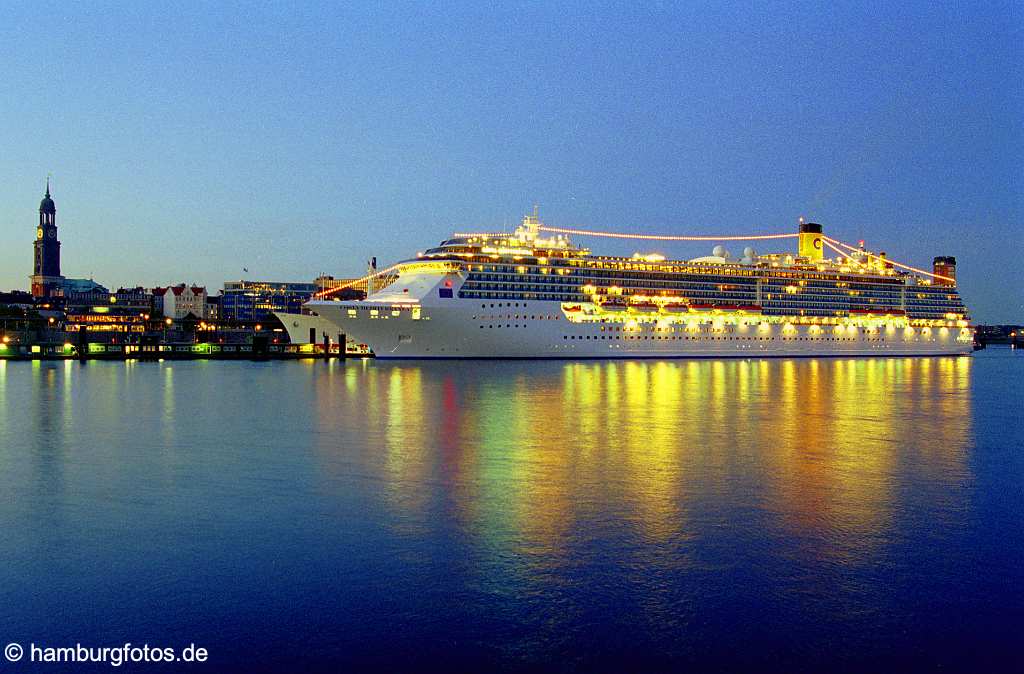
(718,251)
(749,252)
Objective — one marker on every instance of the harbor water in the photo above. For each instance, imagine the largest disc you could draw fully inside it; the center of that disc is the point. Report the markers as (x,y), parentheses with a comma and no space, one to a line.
(765,515)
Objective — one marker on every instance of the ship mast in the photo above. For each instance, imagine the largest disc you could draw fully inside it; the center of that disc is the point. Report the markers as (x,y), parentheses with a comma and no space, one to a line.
(531,225)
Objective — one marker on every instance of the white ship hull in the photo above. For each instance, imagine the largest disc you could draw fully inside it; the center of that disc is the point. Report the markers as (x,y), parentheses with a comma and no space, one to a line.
(466,329)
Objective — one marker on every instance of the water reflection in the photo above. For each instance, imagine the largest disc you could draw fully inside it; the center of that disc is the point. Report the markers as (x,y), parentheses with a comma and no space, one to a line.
(526,507)
(534,458)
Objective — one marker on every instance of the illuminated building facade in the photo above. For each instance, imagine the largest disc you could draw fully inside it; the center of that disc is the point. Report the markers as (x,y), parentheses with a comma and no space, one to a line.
(180,301)
(253,301)
(125,311)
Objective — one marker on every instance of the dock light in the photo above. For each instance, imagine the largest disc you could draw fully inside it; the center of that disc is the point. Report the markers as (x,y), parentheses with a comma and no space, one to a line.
(51,320)
(258,327)
(168,321)
(6,339)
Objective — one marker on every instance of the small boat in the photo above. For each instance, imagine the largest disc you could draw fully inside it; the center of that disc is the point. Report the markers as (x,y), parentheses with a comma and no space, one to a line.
(615,304)
(643,307)
(745,308)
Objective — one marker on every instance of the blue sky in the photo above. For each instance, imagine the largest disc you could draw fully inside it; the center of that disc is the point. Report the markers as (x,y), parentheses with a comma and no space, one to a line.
(186,143)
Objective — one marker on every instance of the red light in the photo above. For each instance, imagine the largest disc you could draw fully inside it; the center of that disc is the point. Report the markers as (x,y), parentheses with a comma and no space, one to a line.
(861,242)
(447,284)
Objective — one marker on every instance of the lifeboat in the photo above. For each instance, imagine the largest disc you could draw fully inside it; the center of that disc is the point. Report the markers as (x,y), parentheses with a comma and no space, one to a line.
(615,304)
(572,309)
(675,308)
(880,311)
(745,308)
(643,307)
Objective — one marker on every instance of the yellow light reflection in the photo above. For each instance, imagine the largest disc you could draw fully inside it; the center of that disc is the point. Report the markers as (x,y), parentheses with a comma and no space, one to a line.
(525,456)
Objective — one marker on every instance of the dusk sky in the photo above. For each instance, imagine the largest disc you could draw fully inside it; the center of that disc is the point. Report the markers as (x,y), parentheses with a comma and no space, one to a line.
(188,142)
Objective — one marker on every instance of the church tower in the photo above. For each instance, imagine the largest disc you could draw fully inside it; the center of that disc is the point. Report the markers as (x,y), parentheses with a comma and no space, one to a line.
(46,276)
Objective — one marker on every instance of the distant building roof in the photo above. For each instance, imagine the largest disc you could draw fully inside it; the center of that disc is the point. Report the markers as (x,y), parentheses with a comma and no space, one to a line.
(81,285)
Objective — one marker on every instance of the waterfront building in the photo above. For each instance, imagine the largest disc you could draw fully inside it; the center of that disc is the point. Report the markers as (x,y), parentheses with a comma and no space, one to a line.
(117,322)
(17,299)
(254,301)
(179,301)
(213,307)
(46,278)
(158,301)
(136,300)
(125,311)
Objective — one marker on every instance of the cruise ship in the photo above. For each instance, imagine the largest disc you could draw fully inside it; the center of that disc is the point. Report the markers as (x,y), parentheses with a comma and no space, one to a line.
(532,293)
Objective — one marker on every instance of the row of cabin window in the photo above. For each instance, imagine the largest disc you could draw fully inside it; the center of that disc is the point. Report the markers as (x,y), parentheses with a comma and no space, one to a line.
(536,317)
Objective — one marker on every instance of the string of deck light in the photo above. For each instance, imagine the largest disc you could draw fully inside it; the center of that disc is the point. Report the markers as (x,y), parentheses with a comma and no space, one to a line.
(751,237)
(841,251)
(350,284)
(834,244)
(886,260)
(665,237)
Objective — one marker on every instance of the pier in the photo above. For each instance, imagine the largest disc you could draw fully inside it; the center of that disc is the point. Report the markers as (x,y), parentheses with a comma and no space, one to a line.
(175,351)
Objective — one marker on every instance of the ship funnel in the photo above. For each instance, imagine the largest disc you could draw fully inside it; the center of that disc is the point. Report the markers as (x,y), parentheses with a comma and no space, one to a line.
(945,266)
(810,245)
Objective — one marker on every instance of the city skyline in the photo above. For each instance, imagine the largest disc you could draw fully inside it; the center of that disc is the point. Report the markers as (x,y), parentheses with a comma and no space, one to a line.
(304,142)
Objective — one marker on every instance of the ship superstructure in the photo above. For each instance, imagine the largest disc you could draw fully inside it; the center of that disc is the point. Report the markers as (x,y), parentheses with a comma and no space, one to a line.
(532,293)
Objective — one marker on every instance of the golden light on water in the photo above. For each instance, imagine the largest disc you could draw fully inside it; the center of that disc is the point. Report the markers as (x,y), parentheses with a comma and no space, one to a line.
(526,458)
